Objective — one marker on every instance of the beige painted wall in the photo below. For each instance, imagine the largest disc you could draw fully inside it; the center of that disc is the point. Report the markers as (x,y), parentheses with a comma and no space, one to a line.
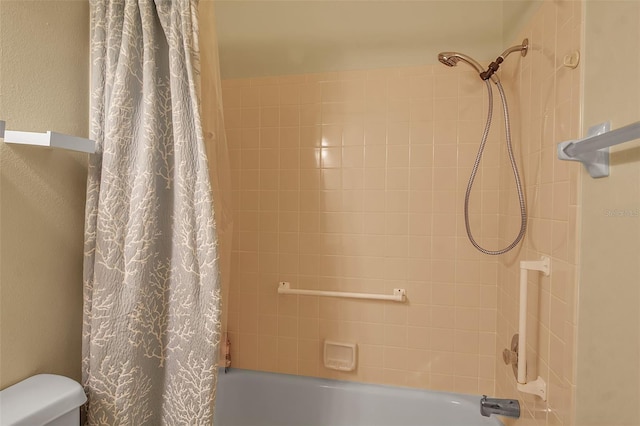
(609,333)
(546,104)
(44,86)
(261,38)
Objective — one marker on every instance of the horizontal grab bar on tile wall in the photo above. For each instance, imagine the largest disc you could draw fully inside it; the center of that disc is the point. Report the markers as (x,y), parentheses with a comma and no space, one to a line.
(593,151)
(399,294)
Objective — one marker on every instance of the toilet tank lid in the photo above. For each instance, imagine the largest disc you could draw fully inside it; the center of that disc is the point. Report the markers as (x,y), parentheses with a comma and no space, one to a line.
(39,399)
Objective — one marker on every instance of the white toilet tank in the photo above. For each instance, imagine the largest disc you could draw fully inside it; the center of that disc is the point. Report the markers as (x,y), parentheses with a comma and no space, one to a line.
(42,400)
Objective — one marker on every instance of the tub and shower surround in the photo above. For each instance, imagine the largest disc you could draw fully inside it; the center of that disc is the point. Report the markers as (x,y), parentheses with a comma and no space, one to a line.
(354,181)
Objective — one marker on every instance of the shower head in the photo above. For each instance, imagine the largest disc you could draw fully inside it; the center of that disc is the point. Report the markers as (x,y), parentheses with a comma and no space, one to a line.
(451,59)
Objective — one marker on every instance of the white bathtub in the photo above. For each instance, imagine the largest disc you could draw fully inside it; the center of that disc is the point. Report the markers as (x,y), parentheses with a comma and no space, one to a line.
(252,398)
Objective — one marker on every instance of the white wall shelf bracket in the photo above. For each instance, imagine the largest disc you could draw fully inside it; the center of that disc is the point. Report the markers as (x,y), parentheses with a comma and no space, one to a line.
(48,139)
(539,386)
(398,294)
(593,151)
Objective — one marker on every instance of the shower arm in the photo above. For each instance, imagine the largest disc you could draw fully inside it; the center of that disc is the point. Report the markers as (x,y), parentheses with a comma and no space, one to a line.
(522,48)
(493,66)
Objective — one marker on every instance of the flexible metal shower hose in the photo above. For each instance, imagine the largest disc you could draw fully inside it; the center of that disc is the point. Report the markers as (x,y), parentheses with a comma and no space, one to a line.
(514,167)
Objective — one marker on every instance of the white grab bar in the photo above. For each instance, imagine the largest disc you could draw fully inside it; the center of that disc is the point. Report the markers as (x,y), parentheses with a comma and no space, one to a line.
(538,386)
(399,294)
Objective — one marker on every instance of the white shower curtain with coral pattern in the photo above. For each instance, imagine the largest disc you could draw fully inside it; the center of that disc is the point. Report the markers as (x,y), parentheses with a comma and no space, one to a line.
(152,286)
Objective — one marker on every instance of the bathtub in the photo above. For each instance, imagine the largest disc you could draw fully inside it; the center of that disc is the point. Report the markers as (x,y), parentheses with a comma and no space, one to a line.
(252,398)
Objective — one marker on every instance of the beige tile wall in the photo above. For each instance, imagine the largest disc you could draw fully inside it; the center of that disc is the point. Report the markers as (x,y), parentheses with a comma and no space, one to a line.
(546,101)
(354,181)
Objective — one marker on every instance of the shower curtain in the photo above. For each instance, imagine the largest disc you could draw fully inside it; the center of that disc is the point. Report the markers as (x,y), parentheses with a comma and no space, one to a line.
(152,280)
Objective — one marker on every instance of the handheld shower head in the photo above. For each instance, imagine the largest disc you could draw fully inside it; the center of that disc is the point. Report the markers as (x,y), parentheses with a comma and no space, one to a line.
(451,59)
(448,58)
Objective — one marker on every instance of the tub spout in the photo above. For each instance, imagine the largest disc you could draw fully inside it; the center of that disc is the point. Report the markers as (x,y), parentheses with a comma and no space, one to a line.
(501,407)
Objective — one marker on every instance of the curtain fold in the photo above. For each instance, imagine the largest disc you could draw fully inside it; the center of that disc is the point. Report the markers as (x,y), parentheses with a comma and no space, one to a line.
(152,280)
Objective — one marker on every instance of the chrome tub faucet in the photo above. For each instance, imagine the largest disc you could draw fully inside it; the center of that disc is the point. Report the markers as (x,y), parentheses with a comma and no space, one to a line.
(501,407)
